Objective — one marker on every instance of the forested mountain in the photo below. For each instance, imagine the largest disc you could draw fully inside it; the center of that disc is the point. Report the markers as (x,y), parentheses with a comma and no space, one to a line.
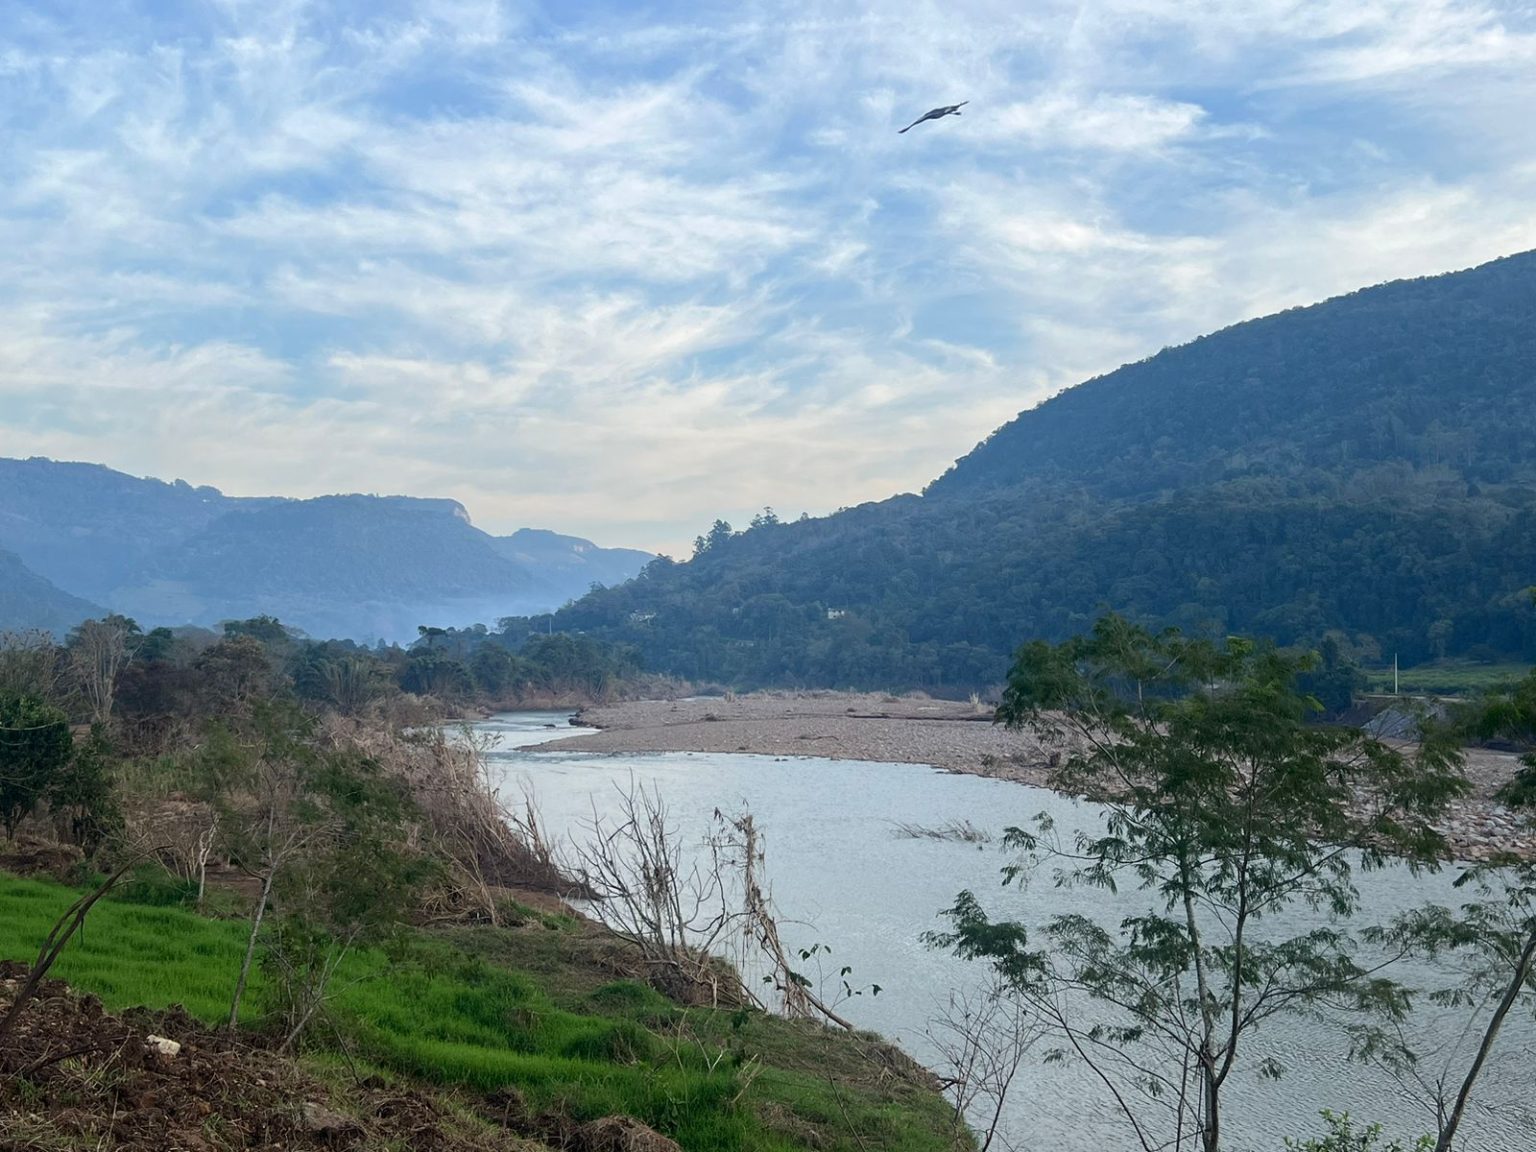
(1365,467)
(358,566)
(28,601)
(1436,375)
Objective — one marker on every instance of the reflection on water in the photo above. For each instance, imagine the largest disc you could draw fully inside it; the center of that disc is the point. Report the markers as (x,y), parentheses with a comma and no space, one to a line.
(844,879)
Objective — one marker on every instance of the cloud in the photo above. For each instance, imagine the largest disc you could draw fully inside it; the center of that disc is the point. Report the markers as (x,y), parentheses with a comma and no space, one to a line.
(619,273)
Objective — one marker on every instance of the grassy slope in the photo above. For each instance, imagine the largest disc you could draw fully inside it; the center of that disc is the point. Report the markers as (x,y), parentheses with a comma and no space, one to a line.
(534,1008)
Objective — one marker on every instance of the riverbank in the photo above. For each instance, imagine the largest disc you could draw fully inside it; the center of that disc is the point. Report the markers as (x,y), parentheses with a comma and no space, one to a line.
(952,735)
(535,1034)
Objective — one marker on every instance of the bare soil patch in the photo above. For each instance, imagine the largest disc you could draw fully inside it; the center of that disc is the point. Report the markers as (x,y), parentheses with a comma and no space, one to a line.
(74,1076)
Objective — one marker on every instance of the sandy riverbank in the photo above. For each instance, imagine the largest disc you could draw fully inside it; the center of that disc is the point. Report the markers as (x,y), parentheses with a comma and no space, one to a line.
(947,734)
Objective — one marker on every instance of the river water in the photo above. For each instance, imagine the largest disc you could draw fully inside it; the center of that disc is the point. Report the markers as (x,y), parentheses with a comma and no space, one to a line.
(841,877)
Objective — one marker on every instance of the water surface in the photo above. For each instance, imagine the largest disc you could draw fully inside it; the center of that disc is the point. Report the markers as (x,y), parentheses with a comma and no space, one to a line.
(842,878)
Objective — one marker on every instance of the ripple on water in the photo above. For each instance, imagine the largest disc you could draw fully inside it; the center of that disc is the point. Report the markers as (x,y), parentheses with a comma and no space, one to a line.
(841,878)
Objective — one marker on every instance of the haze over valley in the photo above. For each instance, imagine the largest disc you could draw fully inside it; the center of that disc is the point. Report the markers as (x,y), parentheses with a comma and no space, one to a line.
(367,568)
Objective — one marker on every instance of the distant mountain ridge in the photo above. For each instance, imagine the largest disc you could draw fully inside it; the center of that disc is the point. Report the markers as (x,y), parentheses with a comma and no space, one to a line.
(28,601)
(351,565)
(1363,468)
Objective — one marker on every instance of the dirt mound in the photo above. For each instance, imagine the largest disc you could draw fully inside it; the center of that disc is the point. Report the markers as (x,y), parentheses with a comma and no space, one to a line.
(28,856)
(74,1076)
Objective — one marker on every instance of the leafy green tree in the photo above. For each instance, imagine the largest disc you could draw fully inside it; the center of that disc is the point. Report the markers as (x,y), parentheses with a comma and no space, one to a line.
(235,671)
(1225,806)
(266,630)
(495,669)
(720,531)
(157,644)
(431,673)
(82,797)
(1493,937)
(1513,714)
(1335,680)
(353,683)
(353,883)
(1343,1136)
(35,749)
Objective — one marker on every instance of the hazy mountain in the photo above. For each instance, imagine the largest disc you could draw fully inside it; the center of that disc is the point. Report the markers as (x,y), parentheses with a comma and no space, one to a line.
(1365,466)
(29,601)
(569,564)
(92,530)
(362,566)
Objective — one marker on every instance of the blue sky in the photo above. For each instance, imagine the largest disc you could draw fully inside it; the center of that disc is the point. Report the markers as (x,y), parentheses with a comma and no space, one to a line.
(620,269)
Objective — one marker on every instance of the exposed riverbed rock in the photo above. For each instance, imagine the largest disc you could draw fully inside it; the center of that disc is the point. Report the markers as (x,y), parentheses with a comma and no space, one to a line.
(957,736)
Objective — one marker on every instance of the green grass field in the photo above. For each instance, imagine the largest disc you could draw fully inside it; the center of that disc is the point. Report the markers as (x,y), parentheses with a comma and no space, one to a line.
(1448,678)
(453,1015)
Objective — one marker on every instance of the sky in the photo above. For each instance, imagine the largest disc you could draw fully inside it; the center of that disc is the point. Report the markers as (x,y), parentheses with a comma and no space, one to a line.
(620,269)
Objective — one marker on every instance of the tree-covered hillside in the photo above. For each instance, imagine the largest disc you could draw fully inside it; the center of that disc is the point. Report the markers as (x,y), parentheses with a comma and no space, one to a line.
(1364,467)
(1436,374)
(28,601)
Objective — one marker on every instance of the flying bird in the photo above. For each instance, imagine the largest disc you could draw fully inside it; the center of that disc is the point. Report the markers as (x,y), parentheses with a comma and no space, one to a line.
(936,114)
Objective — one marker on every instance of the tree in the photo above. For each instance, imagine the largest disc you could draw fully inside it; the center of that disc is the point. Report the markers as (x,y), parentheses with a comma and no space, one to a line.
(431,673)
(494,668)
(235,671)
(35,747)
(266,630)
(351,683)
(82,798)
(98,651)
(1335,679)
(1494,936)
(353,882)
(263,778)
(1512,713)
(719,532)
(30,665)
(1343,1136)
(1225,807)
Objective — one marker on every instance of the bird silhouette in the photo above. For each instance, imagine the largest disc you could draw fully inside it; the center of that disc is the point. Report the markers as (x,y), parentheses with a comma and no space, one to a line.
(936,114)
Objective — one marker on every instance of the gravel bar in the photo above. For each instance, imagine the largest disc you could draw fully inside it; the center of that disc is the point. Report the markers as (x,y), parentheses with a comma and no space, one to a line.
(952,735)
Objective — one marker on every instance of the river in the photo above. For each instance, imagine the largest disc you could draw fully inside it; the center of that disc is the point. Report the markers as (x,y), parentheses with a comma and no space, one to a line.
(841,877)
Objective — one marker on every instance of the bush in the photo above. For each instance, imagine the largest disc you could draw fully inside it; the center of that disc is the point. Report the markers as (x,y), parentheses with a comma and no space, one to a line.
(1342,1137)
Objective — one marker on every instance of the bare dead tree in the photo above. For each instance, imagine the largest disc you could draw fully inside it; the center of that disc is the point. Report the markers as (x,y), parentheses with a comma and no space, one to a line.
(30,665)
(98,652)
(760,927)
(672,906)
(684,911)
(982,1037)
(205,843)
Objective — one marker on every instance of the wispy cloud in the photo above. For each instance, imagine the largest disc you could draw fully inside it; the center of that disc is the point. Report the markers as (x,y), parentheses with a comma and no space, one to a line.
(621,274)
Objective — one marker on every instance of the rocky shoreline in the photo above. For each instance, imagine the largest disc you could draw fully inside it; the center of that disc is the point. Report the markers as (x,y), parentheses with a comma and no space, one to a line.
(951,735)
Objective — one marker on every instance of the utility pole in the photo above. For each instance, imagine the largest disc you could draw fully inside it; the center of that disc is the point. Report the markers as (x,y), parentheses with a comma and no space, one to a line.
(1394,673)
